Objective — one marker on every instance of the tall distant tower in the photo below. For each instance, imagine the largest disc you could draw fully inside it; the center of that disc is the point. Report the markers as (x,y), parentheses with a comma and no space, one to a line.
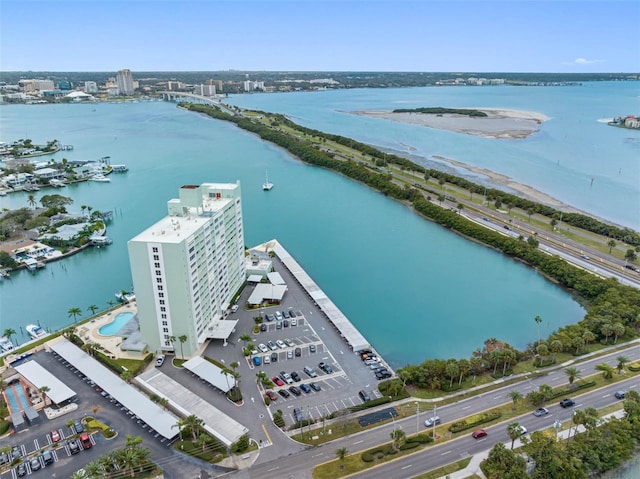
(125,82)
(188,266)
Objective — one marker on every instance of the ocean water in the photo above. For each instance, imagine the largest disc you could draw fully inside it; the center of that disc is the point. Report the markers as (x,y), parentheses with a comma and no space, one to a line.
(414,289)
(572,148)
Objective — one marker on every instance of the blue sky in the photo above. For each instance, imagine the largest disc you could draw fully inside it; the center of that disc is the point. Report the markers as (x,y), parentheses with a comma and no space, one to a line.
(306,35)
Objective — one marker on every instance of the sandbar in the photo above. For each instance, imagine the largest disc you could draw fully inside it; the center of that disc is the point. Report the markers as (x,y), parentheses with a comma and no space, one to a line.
(498,124)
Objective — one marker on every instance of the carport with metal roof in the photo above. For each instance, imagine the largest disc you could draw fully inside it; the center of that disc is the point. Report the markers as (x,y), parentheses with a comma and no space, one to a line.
(58,392)
(153,415)
(211,373)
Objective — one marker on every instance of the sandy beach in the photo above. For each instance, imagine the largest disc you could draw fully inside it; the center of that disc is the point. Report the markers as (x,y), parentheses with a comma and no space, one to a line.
(498,124)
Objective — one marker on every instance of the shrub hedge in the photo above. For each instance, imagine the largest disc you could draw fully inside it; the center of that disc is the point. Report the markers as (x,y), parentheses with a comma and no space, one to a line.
(475,421)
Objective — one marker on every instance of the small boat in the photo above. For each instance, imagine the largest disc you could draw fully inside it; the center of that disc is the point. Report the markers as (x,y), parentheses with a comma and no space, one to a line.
(101,178)
(5,344)
(267,185)
(125,296)
(35,331)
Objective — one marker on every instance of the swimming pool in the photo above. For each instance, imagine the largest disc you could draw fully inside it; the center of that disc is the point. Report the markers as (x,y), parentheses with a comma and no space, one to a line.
(114,326)
(17,399)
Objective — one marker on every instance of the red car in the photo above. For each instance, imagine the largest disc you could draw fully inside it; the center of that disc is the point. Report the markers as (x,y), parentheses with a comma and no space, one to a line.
(278,381)
(479,433)
(55,436)
(271,395)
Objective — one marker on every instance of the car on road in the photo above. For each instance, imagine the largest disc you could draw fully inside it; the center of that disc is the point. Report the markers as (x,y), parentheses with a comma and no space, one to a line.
(295,376)
(522,430)
(294,390)
(277,381)
(263,348)
(271,395)
(160,360)
(325,367)
(584,256)
(256,361)
(432,420)
(305,388)
(263,327)
(281,344)
(284,393)
(55,436)
(297,352)
(315,386)
(506,227)
(479,433)
(620,394)
(567,402)
(541,411)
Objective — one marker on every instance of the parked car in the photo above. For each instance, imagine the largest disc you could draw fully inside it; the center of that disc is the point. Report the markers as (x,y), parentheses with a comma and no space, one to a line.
(325,367)
(305,388)
(298,352)
(256,361)
(160,360)
(271,395)
(522,430)
(270,317)
(620,394)
(290,354)
(15,453)
(309,371)
(297,414)
(567,402)
(278,324)
(47,457)
(277,381)
(279,316)
(281,344)
(294,390)
(85,441)
(285,323)
(4,458)
(432,420)
(274,357)
(78,426)
(55,436)
(315,386)
(263,348)
(35,464)
(541,411)
(294,322)
(364,396)
(292,313)
(73,447)
(234,308)
(479,433)
(295,376)
(286,377)
(21,470)
(263,327)
(253,350)
(284,393)
(267,359)
(312,348)
(288,342)
(272,346)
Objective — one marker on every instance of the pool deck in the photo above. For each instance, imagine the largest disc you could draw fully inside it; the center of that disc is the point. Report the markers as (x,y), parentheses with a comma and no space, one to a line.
(89,332)
(17,397)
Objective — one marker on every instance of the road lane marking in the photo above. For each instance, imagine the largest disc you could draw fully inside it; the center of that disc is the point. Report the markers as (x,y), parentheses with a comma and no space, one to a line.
(446,452)
(466,407)
(267,434)
(406,467)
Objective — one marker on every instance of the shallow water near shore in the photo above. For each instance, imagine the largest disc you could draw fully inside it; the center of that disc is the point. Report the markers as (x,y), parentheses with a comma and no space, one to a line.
(415,290)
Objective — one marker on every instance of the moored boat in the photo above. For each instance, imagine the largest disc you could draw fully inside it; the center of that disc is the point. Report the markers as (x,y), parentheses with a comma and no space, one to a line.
(100,178)
(35,331)
(267,185)
(5,344)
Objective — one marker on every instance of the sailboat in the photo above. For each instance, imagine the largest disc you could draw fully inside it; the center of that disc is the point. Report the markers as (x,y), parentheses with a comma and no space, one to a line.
(267,185)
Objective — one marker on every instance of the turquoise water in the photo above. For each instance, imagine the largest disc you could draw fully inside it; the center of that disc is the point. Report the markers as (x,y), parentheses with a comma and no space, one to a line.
(19,403)
(114,326)
(414,289)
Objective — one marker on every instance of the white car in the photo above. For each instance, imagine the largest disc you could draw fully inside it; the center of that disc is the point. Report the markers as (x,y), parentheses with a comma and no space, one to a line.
(263,348)
(288,342)
(160,360)
(294,322)
(281,344)
(266,359)
(522,430)
(234,308)
(432,420)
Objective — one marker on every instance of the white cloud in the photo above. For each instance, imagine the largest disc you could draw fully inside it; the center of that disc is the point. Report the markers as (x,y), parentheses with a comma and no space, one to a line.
(582,61)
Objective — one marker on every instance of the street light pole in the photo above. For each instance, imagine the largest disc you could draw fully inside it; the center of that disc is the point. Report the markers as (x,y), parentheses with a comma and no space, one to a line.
(417,417)
(435,412)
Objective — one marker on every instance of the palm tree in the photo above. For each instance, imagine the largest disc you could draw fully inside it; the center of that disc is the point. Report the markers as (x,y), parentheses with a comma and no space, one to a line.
(397,436)
(246,339)
(607,370)
(234,365)
(611,244)
(342,453)
(93,308)
(8,333)
(515,396)
(44,390)
(572,373)
(75,312)
(588,337)
(622,360)
(538,320)
(514,432)
(618,330)
(194,423)
(546,391)
(182,339)
(133,441)
(31,199)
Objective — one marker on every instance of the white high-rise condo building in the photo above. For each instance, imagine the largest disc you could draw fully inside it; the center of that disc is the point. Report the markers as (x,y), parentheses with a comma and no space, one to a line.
(188,267)
(125,82)
(90,87)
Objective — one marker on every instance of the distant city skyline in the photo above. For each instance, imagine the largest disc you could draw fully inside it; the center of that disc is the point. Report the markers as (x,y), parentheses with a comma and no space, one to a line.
(330,35)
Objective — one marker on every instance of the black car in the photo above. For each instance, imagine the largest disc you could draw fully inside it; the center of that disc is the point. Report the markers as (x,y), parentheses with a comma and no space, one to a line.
(297,414)
(325,367)
(567,402)
(21,470)
(305,388)
(284,393)
(295,376)
(292,314)
(297,352)
(274,357)
(285,323)
(383,375)
(263,327)
(620,394)
(294,390)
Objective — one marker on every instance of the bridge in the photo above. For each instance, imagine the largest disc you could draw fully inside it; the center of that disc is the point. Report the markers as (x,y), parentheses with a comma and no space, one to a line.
(184,97)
